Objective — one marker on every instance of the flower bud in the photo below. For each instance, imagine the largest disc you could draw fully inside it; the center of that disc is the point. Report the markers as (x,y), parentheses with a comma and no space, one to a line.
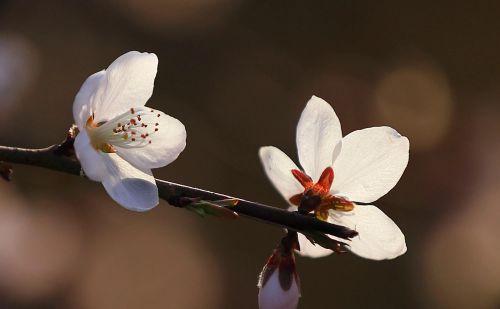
(279,285)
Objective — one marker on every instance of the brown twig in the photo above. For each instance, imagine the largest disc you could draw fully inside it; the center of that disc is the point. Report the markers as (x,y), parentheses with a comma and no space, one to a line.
(53,158)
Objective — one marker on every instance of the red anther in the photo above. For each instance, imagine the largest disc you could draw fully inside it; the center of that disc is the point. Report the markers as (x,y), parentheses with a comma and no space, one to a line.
(157,124)
(150,142)
(133,139)
(139,118)
(119,124)
(158,115)
(133,121)
(143,136)
(132,110)
(156,129)
(133,132)
(304,180)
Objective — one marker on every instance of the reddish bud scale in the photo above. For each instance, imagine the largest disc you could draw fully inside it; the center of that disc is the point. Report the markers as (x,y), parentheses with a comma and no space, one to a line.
(283,260)
(287,272)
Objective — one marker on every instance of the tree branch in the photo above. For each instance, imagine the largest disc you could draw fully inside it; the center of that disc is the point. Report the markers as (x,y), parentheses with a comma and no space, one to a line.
(52,158)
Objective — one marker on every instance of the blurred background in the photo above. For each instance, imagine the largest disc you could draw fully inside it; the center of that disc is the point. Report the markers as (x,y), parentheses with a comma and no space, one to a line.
(238,74)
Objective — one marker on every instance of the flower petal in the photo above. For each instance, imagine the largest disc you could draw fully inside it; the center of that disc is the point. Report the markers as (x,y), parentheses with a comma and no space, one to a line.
(128,82)
(379,237)
(128,186)
(278,167)
(166,143)
(91,161)
(82,104)
(370,164)
(318,137)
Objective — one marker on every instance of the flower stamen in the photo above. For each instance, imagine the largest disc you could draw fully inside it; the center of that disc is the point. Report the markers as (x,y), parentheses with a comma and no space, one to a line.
(122,130)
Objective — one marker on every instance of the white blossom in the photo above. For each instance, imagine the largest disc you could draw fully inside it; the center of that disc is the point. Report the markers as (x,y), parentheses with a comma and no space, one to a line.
(120,140)
(360,167)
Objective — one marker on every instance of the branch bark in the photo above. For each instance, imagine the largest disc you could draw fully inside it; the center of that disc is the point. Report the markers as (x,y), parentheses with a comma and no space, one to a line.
(52,158)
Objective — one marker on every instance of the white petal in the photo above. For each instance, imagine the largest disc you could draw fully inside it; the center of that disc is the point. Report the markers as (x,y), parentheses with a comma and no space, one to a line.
(272,295)
(379,237)
(311,250)
(166,143)
(278,167)
(370,164)
(91,161)
(128,186)
(83,101)
(128,82)
(318,137)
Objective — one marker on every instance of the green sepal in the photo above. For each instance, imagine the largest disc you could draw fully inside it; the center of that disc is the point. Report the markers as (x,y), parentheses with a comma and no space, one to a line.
(220,208)
(326,242)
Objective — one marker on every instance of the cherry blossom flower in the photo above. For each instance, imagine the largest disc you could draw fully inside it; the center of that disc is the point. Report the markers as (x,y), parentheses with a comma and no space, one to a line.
(340,177)
(120,140)
(279,284)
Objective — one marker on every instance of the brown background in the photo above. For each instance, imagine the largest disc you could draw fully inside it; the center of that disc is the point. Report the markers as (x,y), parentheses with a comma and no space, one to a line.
(237,74)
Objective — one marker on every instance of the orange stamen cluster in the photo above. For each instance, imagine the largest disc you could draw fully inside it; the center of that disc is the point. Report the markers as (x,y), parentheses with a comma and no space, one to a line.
(317,197)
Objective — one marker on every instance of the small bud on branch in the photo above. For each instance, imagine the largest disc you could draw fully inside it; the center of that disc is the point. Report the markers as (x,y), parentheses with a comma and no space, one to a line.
(279,284)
